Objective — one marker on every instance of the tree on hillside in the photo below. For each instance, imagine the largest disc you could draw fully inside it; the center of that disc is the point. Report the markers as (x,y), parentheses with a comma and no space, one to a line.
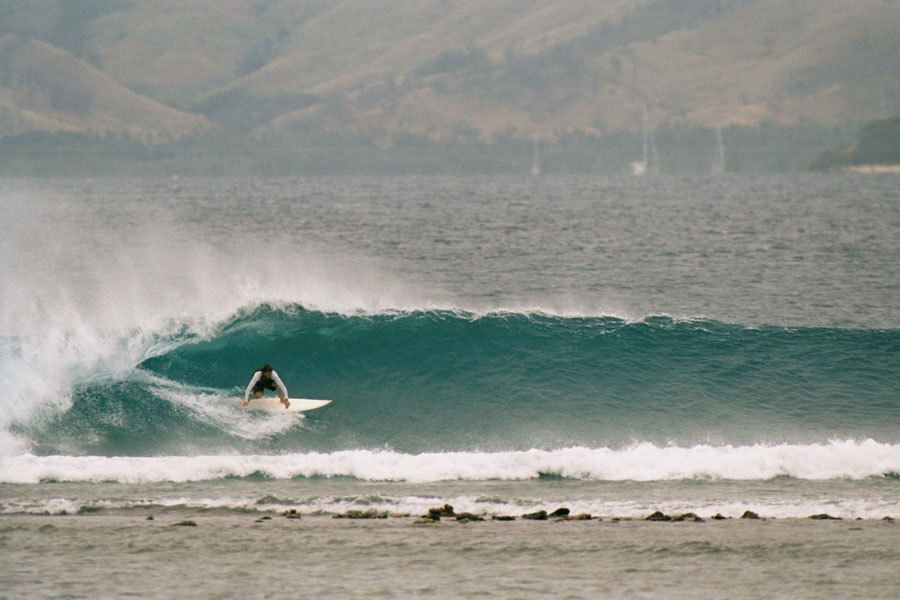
(877,144)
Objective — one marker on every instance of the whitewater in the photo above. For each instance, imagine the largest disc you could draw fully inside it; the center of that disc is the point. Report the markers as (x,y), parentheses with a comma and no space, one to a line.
(643,462)
(505,345)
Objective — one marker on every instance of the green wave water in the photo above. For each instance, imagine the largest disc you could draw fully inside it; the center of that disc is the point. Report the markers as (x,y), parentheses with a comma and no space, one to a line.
(444,381)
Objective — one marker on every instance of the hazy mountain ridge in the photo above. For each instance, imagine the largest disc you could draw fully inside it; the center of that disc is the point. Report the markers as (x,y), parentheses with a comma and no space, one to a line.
(448,70)
(45,88)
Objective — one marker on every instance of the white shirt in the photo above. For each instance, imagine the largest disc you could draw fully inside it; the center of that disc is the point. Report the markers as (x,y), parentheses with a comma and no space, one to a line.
(257,376)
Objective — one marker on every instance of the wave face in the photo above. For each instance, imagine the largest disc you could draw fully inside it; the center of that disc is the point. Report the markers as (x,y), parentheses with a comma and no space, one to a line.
(448,382)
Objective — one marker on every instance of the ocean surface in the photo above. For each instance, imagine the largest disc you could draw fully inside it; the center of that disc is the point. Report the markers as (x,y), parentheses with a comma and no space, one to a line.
(505,345)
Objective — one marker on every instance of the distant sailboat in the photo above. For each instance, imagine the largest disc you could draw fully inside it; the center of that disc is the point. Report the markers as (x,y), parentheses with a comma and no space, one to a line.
(718,165)
(536,161)
(639,168)
(649,162)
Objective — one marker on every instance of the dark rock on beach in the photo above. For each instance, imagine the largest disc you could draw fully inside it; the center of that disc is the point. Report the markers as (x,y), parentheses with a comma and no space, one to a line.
(435,514)
(185,524)
(688,517)
(658,516)
(503,518)
(540,515)
(824,517)
(749,514)
(580,517)
(291,514)
(442,511)
(466,517)
(362,514)
(719,517)
(559,512)
(427,520)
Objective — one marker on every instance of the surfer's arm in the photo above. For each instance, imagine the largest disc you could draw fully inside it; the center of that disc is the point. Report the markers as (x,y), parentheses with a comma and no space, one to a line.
(279,384)
(253,381)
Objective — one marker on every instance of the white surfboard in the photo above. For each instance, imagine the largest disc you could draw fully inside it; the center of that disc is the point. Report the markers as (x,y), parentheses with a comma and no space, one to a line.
(273,404)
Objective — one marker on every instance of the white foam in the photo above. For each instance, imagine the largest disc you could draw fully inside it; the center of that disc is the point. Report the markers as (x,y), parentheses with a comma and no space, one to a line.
(89,288)
(224,411)
(845,459)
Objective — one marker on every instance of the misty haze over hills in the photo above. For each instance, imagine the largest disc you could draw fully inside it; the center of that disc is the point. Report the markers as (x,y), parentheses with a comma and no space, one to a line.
(433,85)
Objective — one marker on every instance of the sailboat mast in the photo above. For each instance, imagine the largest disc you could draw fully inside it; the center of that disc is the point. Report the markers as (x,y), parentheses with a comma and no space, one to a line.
(535,161)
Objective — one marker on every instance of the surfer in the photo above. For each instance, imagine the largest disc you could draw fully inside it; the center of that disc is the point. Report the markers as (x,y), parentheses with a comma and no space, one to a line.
(266,378)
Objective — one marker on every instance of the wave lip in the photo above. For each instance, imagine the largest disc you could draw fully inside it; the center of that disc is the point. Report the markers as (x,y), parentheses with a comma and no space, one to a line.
(838,459)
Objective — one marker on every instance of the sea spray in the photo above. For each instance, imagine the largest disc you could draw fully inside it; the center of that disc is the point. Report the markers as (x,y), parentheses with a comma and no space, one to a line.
(83,301)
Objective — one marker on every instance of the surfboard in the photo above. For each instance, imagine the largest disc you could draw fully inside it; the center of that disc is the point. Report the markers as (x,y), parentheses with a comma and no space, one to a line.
(273,404)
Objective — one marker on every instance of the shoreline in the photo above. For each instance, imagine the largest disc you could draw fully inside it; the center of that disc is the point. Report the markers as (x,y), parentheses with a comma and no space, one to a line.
(183,516)
(195,555)
(871,169)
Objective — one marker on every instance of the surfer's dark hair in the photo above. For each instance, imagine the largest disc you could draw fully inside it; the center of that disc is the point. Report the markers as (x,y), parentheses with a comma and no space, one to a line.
(265,368)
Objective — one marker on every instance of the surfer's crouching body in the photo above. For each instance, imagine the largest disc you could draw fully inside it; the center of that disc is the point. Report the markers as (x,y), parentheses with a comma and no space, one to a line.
(266,378)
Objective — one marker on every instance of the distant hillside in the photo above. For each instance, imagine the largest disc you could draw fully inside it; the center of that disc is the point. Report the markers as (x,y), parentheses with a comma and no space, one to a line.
(44,88)
(450,71)
(878,145)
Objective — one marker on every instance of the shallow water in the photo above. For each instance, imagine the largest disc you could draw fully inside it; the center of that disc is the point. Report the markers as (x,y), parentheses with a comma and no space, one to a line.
(236,557)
